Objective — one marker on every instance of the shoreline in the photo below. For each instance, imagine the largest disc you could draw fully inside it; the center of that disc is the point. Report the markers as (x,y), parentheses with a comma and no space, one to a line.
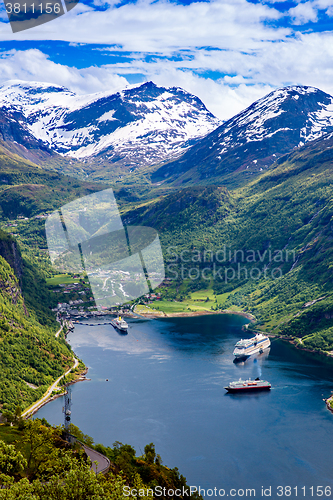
(82,376)
(298,346)
(193,313)
(162,314)
(328,403)
(35,407)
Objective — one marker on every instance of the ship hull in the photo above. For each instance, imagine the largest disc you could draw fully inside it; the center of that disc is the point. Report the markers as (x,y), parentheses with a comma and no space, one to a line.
(119,328)
(247,389)
(258,350)
(257,347)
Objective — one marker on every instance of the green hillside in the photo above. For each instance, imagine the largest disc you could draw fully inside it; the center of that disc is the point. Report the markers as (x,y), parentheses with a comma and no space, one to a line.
(36,463)
(27,190)
(30,356)
(278,230)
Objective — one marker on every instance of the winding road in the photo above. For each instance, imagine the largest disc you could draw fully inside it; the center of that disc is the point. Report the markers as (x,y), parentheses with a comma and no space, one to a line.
(48,393)
(103,462)
(60,329)
(32,409)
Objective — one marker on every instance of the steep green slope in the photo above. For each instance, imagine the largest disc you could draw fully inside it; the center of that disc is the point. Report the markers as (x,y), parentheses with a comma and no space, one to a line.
(27,190)
(29,352)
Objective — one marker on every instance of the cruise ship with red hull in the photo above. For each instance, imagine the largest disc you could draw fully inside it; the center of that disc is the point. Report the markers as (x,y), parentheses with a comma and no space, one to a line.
(248,386)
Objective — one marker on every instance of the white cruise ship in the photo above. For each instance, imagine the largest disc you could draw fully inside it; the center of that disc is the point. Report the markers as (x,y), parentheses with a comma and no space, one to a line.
(247,347)
(120,324)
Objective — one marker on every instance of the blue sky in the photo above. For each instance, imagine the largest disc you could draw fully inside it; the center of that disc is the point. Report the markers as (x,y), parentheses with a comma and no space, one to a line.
(227,52)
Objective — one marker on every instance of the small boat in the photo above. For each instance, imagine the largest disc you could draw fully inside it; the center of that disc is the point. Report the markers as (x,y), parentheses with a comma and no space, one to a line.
(248,385)
(255,345)
(120,324)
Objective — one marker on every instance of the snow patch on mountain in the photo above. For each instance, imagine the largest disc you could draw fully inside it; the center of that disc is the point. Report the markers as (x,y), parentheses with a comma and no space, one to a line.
(156,122)
(283,120)
(107,116)
(305,112)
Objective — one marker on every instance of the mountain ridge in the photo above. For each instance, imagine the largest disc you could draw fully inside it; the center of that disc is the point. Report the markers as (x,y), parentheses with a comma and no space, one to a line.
(147,134)
(251,141)
(135,127)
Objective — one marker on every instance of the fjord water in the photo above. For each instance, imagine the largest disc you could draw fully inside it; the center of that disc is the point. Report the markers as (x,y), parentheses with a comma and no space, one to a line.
(166,383)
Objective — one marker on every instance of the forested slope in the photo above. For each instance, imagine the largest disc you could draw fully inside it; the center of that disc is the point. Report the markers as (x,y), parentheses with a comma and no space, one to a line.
(268,245)
(36,463)
(27,190)
(29,352)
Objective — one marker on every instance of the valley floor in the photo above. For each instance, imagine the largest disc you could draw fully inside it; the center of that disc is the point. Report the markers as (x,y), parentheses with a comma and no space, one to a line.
(151,312)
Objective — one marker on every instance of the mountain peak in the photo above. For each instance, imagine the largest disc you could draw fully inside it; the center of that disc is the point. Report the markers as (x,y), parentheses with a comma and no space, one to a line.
(300,89)
(138,126)
(256,137)
(38,87)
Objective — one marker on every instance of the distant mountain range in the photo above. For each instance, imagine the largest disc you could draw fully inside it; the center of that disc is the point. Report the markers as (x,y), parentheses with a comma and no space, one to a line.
(136,127)
(254,139)
(156,134)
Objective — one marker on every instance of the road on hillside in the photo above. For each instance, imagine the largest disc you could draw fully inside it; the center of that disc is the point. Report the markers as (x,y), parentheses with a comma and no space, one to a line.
(39,403)
(103,462)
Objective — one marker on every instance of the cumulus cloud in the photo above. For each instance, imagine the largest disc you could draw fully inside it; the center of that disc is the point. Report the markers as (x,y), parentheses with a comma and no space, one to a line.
(183,45)
(244,76)
(302,60)
(304,13)
(309,11)
(148,25)
(221,99)
(34,65)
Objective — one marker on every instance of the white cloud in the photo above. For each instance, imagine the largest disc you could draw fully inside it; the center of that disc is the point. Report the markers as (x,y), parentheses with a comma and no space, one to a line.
(304,13)
(150,26)
(221,99)
(305,60)
(322,4)
(251,54)
(33,65)
(308,11)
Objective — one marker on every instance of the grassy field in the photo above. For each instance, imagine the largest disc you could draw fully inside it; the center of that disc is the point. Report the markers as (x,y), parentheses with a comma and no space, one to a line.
(201,301)
(61,279)
(142,309)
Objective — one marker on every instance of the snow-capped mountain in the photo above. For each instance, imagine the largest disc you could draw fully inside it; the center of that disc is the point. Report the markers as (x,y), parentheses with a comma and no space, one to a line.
(141,125)
(255,138)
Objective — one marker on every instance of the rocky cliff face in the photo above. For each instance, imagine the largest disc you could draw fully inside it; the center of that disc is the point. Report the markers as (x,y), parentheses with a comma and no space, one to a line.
(10,252)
